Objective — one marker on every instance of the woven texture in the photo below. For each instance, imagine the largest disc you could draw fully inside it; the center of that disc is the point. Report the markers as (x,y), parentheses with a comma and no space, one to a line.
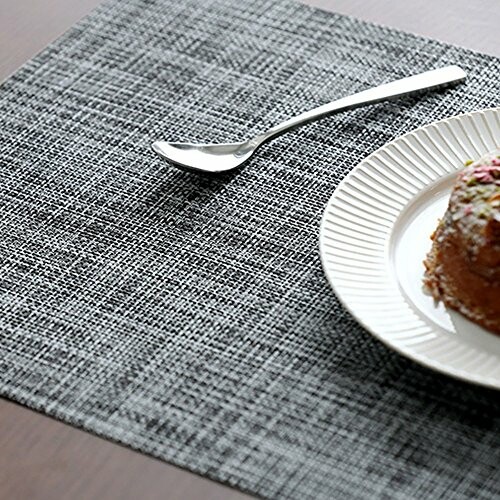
(188,316)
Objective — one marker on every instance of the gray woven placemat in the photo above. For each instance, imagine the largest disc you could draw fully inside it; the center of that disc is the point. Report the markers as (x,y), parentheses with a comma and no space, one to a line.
(188,317)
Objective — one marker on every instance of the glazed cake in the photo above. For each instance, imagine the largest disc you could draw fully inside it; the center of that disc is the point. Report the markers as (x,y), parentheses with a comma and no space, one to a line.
(463,266)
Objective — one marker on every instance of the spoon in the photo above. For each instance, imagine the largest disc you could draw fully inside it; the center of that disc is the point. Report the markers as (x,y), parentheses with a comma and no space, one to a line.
(217,158)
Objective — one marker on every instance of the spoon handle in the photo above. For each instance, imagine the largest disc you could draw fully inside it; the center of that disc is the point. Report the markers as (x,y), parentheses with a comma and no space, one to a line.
(406,86)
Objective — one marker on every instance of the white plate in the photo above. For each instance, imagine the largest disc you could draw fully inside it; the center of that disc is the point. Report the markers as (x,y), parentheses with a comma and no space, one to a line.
(375,234)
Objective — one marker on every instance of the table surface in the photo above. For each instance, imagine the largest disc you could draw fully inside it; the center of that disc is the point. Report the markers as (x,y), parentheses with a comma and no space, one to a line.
(41,458)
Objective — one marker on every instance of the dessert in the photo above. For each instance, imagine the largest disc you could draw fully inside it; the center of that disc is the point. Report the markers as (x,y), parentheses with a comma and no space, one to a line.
(463,265)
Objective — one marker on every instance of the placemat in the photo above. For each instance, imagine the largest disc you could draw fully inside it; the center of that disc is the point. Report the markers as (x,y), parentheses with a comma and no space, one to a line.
(188,316)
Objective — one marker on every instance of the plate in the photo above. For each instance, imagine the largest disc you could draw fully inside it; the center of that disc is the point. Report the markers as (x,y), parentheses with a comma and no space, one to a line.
(375,234)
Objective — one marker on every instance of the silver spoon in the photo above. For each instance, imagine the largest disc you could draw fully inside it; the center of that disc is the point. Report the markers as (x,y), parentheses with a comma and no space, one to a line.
(217,158)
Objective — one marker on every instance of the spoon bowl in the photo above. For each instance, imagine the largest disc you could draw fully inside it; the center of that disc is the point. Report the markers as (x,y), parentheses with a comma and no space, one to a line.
(215,158)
